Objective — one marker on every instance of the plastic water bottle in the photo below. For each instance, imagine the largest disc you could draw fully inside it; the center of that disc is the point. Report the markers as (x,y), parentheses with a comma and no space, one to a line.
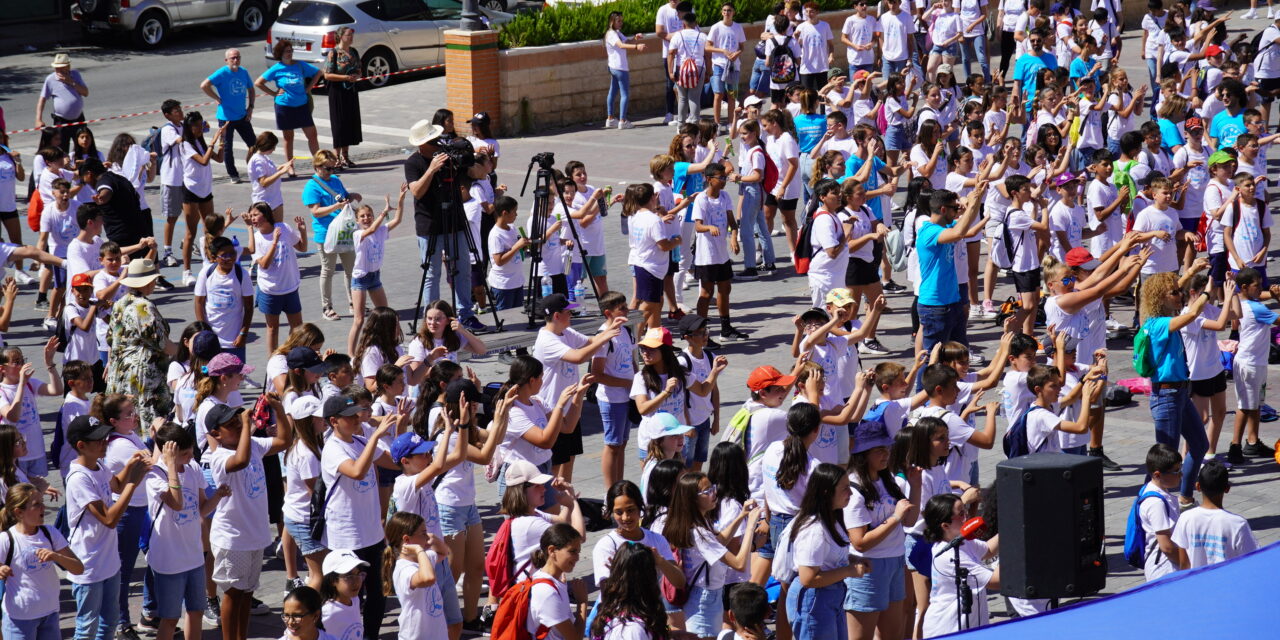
(579,292)
(546,286)
(573,294)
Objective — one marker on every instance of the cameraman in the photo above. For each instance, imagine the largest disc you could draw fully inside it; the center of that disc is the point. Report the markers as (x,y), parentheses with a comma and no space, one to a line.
(442,231)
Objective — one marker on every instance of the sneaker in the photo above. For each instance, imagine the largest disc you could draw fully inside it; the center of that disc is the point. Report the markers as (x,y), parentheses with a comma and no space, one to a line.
(22,277)
(873,346)
(1250,15)
(777,233)
(150,624)
(1257,450)
(1113,325)
(236,180)
(50,324)
(1235,455)
(213,612)
(675,314)
(258,608)
(610,123)
(1107,463)
(732,335)
(475,626)
(626,124)
(164,285)
(168,260)
(1221,458)
(474,325)
(893,287)
(976,360)
(975,311)
(989,310)
(42,305)
(1271,15)
(670,119)
(188,279)
(1187,506)
(127,632)
(292,583)
(770,267)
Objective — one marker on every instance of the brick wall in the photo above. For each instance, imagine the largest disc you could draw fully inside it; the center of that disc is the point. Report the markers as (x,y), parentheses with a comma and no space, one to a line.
(471,83)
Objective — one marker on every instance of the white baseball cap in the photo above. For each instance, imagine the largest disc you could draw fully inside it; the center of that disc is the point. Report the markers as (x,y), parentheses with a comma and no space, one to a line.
(342,561)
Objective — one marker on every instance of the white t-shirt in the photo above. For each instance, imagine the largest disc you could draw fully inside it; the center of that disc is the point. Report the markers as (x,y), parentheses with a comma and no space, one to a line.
(522,418)
(300,465)
(920,157)
(669,18)
(861,223)
(1068,219)
(72,408)
(457,487)
(618,357)
(782,149)
(826,272)
(344,621)
(1119,124)
(60,225)
(858,513)
(1026,256)
(370,248)
(240,522)
(896,28)
(712,212)
(617,56)
(224,300)
(815,46)
(674,404)
(281,275)
(706,548)
(121,447)
(729,510)
(29,418)
(1164,256)
(548,605)
(646,231)
(813,546)
(700,407)
(1201,345)
(1197,177)
(945,26)
(774,42)
(1246,232)
(510,275)
(779,500)
(1155,29)
(557,374)
(261,166)
(861,31)
(1015,397)
(82,257)
(526,535)
(1099,195)
(32,590)
(1156,515)
(1256,321)
(689,44)
(92,542)
(422,609)
(102,280)
(1091,127)
(170,157)
(420,500)
(1211,536)
(353,518)
(971,11)
(1214,195)
(940,618)
(175,535)
(196,177)
(82,345)
(1041,425)
(727,37)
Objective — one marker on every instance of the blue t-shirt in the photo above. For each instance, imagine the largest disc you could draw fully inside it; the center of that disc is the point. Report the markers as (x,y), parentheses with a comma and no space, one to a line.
(1225,128)
(1167,351)
(233,92)
(809,130)
(1027,68)
(686,184)
(1080,68)
(313,193)
(1170,135)
(938,283)
(292,82)
(853,165)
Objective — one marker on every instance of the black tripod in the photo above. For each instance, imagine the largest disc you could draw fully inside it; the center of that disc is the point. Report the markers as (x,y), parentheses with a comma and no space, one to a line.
(542,205)
(452,213)
(964,593)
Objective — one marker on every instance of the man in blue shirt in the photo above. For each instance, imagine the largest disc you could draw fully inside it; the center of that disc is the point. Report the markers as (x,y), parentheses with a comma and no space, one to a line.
(940,303)
(1028,67)
(1228,124)
(232,88)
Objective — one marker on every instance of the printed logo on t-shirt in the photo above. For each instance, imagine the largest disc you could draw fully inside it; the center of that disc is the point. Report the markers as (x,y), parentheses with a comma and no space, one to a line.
(190,504)
(354,631)
(363,485)
(256,482)
(826,437)
(30,562)
(435,603)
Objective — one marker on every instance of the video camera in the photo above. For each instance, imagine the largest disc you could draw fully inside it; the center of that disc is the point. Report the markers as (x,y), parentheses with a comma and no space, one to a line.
(544,160)
(461,154)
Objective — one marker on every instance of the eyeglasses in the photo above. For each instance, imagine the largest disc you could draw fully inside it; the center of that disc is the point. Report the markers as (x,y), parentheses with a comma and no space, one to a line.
(1068,281)
(226,256)
(708,492)
(294,617)
(353,577)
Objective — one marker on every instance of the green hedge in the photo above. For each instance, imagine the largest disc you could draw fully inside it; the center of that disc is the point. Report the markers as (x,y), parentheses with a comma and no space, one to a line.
(579,23)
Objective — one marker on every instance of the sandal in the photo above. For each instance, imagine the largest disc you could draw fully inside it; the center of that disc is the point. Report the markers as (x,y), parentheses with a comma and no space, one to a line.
(329,314)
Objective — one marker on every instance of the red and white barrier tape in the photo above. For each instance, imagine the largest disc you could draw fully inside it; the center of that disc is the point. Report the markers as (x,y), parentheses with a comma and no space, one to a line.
(191,106)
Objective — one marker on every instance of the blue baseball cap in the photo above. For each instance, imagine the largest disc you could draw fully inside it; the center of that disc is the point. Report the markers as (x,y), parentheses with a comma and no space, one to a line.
(410,444)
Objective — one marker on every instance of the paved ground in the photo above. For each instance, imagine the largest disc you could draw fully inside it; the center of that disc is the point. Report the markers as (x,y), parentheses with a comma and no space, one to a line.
(762,308)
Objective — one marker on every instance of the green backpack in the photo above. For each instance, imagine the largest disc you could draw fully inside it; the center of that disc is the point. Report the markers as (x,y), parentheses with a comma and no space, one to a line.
(1144,363)
(739,431)
(1121,178)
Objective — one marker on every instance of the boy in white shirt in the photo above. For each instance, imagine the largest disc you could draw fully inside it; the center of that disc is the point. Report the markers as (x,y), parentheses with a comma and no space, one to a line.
(506,253)
(1158,511)
(79,319)
(1158,224)
(1247,228)
(1193,157)
(1067,220)
(1022,225)
(1103,203)
(899,47)
(814,37)
(1042,418)
(1250,365)
(688,44)
(1015,395)
(725,44)
(224,297)
(57,227)
(1209,534)
(861,34)
(712,264)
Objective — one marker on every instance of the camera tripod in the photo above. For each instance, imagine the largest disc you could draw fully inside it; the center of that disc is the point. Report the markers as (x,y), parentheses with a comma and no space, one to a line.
(542,205)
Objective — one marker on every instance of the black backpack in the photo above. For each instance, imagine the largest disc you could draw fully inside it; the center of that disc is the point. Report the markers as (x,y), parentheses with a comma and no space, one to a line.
(1015,439)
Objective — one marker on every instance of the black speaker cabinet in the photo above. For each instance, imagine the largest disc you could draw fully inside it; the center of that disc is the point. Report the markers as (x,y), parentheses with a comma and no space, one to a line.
(1051,526)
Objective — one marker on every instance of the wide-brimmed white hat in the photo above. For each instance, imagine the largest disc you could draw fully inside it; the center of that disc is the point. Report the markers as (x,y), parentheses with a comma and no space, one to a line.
(141,273)
(61,60)
(423,132)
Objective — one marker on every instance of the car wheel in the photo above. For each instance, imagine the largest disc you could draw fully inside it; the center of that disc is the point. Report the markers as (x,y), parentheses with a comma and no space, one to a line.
(151,30)
(95,8)
(378,65)
(252,18)
(494,5)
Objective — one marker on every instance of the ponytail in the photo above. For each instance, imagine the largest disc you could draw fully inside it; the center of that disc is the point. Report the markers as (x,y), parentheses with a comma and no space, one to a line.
(20,496)
(803,420)
(402,524)
(266,142)
(206,387)
(560,535)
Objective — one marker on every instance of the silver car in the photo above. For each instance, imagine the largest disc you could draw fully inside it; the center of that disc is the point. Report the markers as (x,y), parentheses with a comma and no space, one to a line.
(150,21)
(389,34)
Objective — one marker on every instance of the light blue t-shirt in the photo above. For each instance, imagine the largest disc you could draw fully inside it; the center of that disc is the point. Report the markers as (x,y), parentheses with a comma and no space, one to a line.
(233,92)
(292,82)
(938,283)
(809,130)
(1225,128)
(1170,135)
(686,184)
(313,193)
(853,165)
(1167,351)
(1025,71)
(1080,68)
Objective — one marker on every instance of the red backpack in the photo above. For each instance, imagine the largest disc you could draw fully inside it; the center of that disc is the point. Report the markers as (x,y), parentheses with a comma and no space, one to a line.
(511,621)
(770,179)
(804,251)
(499,562)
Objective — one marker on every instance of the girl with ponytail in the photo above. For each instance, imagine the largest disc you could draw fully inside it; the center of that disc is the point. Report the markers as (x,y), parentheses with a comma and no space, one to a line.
(123,442)
(31,599)
(549,606)
(408,572)
(821,554)
(12,447)
(532,427)
(264,175)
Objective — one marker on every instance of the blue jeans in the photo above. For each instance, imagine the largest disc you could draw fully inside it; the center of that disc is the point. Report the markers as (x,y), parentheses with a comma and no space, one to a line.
(619,86)
(243,127)
(446,245)
(1175,415)
(941,323)
(759,77)
(978,45)
(133,533)
(805,175)
(45,628)
(1151,78)
(752,225)
(96,610)
(817,613)
(893,66)
(695,446)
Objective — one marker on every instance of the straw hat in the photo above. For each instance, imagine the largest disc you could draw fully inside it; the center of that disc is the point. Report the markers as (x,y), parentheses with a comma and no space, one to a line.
(423,132)
(141,273)
(61,60)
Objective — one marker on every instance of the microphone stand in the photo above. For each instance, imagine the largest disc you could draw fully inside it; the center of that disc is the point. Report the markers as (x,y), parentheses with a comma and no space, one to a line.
(964,593)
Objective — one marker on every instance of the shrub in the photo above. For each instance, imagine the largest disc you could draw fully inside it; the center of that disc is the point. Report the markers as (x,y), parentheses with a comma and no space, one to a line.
(580,23)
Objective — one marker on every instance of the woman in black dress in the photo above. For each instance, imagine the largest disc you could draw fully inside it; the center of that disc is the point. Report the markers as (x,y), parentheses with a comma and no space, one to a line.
(341,70)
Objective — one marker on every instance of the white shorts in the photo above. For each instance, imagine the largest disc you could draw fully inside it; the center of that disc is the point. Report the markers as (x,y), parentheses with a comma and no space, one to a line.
(236,569)
(1251,386)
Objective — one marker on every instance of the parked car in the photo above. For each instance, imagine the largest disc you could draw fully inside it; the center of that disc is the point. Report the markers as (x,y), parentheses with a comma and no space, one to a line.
(389,34)
(149,21)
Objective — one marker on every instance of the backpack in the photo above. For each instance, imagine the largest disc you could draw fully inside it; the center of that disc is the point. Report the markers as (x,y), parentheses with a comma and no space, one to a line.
(154,142)
(1135,538)
(500,564)
(875,415)
(770,170)
(61,332)
(1121,178)
(739,431)
(678,596)
(511,621)
(782,63)
(688,76)
(8,556)
(1203,225)
(804,243)
(239,271)
(784,566)
(1144,362)
(1015,439)
(320,495)
(35,209)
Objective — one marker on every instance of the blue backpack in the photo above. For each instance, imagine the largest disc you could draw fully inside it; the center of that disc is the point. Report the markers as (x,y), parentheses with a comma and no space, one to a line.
(876,414)
(1135,538)
(1015,439)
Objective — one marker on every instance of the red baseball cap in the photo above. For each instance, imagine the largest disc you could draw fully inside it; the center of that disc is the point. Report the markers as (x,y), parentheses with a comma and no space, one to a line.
(1081,258)
(81,280)
(767,376)
(1213,50)
(1193,123)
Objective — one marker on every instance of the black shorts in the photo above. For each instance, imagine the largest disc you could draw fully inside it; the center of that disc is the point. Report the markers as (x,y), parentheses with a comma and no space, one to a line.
(788,204)
(1267,88)
(566,447)
(189,197)
(648,287)
(861,273)
(1210,387)
(8,215)
(1218,266)
(1026,281)
(713,272)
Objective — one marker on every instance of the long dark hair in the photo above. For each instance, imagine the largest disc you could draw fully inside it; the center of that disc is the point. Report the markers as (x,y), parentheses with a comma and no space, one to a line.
(8,454)
(560,535)
(452,341)
(937,512)
(90,151)
(866,484)
(816,504)
(803,420)
(920,453)
(727,470)
(196,138)
(381,331)
(183,355)
(631,591)
(683,514)
(653,382)
(658,494)
(431,391)
(523,369)
(119,149)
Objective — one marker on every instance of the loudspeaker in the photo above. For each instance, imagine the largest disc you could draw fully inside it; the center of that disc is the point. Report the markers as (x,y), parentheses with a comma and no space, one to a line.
(1051,526)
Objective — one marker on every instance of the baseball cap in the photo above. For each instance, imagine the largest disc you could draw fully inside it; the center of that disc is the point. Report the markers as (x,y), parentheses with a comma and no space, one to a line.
(690,323)
(340,406)
(1081,258)
(834,72)
(839,297)
(1213,50)
(944,68)
(522,471)
(752,101)
(1219,157)
(555,303)
(304,407)
(410,444)
(655,338)
(1064,178)
(860,74)
(81,280)
(205,345)
(342,561)
(1193,123)
(481,117)
(870,434)
(663,424)
(219,415)
(462,388)
(87,429)
(767,376)
(225,363)
(306,358)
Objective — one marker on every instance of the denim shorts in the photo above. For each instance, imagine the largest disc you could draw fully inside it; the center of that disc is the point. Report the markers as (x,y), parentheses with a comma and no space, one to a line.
(895,137)
(455,520)
(777,522)
(368,281)
(173,590)
(595,266)
(874,591)
(704,612)
(301,533)
(45,628)
(952,50)
(617,426)
(273,305)
(722,79)
(448,592)
(695,446)
(919,559)
(508,298)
